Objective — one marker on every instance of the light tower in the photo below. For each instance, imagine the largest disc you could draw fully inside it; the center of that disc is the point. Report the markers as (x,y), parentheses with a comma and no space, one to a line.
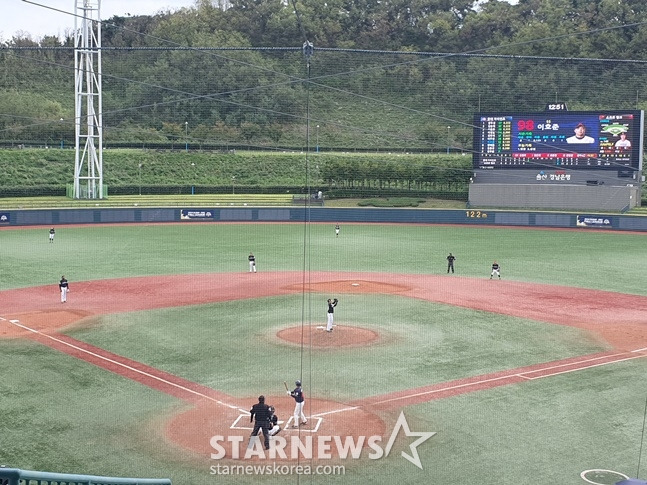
(88,162)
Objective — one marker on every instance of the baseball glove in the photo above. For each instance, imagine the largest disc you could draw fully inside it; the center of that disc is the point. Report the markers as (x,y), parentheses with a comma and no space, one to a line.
(335,300)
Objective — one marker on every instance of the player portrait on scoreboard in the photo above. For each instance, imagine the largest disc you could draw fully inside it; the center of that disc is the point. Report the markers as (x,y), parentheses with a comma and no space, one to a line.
(580,135)
(623,142)
(578,140)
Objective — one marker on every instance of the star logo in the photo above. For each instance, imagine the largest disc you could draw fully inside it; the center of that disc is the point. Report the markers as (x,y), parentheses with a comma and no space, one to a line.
(401,423)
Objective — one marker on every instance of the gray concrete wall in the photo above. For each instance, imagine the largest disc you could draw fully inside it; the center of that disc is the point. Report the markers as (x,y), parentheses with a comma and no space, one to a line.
(571,197)
(554,188)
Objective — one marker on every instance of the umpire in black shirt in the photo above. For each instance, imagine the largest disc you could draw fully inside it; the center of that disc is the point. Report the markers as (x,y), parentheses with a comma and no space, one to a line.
(261,412)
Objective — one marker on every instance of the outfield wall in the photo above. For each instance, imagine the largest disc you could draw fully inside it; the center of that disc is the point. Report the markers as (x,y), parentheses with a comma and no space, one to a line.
(569,197)
(55,217)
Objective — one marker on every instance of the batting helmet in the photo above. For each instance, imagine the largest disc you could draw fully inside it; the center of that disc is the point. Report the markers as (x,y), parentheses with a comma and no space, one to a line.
(297,383)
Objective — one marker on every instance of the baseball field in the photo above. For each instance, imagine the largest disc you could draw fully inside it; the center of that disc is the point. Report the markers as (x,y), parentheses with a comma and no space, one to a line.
(167,339)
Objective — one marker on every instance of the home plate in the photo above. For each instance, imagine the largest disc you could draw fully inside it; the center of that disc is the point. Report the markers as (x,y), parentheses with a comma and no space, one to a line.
(354,284)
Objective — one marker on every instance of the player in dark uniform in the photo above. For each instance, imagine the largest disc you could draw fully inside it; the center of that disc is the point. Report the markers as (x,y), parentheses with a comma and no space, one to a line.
(331,314)
(450,262)
(260,414)
(496,270)
(274,422)
(299,402)
(64,287)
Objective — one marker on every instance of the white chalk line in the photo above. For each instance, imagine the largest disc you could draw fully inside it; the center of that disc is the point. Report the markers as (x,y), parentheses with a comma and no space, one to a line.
(522,375)
(125,366)
(583,368)
(570,364)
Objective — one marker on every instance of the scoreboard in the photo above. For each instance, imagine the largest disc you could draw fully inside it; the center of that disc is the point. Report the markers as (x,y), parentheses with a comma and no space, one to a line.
(580,140)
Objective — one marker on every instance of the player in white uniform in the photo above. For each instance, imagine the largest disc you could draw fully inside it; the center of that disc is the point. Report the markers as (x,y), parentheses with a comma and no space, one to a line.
(331,314)
(496,270)
(299,402)
(64,287)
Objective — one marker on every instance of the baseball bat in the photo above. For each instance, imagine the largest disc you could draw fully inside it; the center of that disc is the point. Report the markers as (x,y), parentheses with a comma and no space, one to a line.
(286,386)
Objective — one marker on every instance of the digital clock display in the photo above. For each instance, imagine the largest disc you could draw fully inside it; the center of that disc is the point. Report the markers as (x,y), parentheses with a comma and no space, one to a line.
(609,140)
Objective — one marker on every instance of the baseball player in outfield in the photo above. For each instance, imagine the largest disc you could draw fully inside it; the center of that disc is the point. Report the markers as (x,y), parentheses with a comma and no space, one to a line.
(252,263)
(331,312)
(52,232)
(337,230)
(496,270)
(299,402)
(64,287)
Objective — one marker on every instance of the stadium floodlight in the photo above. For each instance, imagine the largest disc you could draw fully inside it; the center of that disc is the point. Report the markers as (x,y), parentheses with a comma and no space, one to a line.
(88,160)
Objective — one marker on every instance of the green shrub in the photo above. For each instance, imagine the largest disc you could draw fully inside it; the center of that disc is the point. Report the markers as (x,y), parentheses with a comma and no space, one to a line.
(393,202)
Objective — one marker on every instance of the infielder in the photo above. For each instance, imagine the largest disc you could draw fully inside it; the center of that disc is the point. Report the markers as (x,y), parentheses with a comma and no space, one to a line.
(496,270)
(252,263)
(64,287)
(299,400)
(52,232)
(450,262)
(331,312)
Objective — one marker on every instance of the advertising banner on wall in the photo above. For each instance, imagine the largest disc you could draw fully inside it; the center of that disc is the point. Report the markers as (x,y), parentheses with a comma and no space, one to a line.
(593,221)
(193,214)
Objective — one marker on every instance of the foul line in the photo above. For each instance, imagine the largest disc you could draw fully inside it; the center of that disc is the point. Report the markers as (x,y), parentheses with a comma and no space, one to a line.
(130,368)
(619,357)
(575,365)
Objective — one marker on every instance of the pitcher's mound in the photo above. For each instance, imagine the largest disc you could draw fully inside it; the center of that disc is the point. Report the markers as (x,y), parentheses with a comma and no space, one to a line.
(316,336)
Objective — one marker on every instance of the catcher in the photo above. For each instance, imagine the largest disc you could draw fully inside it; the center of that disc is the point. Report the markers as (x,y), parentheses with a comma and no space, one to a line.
(260,415)
(331,312)
(274,422)
(273,427)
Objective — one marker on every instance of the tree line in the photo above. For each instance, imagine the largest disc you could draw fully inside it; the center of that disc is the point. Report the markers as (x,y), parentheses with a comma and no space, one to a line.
(402,75)
(47,172)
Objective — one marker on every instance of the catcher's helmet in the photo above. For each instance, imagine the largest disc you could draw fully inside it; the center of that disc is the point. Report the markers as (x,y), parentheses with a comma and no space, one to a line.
(271,409)
(297,383)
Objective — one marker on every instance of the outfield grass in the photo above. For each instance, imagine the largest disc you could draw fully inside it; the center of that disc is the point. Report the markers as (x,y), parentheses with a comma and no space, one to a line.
(590,259)
(61,414)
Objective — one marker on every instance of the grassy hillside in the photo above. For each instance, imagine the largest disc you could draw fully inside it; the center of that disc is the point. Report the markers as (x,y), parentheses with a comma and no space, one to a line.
(124,167)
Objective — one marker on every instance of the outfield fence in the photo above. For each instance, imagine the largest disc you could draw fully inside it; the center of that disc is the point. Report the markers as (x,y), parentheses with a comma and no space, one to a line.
(583,220)
(15,476)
